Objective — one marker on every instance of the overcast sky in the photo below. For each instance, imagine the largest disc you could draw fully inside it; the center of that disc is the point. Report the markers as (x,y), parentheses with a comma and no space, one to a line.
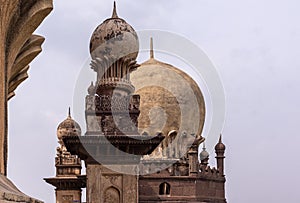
(254,45)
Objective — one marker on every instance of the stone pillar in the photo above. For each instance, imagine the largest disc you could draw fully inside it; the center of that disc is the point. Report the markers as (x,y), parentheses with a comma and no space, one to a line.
(193,160)
(107,186)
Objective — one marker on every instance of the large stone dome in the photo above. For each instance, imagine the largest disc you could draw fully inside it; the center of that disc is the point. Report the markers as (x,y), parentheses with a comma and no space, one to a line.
(169,99)
(114,38)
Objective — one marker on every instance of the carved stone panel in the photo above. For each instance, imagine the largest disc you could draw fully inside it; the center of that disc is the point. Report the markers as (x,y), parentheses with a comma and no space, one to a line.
(114,187)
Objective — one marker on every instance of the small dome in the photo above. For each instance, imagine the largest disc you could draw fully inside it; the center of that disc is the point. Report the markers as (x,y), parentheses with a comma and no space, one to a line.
(68,127)
(115,38)
(220,146)
(204,154)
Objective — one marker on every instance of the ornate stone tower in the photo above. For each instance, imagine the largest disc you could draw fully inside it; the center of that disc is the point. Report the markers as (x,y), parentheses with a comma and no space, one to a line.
(114,48)
(68,180)
(112,147)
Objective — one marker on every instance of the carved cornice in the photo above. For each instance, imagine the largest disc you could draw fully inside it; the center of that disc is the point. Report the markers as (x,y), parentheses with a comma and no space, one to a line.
(67,182)
(93,149)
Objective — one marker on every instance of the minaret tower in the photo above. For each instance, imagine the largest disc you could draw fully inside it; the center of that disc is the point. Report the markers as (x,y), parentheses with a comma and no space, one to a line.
(114,48)
(220,150)
(68,180)
(112,143)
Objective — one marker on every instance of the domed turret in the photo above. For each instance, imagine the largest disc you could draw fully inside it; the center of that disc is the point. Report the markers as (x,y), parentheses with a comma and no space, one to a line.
(220,150)
(114,38)
(68,127)
(204,154)
(114,47)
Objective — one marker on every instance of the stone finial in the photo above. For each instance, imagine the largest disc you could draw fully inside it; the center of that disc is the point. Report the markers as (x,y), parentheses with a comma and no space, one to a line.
(220,147)
(92,89)
(69,112)
(151,48)
(114,14)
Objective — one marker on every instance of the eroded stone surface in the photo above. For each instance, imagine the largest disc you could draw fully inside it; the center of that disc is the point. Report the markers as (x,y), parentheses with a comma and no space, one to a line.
(169,97)
(10,193)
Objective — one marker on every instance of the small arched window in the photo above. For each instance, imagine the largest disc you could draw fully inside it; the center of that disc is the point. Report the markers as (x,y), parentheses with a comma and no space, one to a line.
(112,194)
(164,188)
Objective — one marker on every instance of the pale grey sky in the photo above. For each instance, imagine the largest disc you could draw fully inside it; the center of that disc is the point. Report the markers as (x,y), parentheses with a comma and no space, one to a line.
(255,46)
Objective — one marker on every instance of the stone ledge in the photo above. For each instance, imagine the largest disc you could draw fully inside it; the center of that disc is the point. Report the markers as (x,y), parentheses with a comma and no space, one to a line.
(10,193)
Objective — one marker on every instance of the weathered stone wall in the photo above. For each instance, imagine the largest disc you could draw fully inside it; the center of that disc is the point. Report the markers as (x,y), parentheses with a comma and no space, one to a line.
(9,193)
(187,189)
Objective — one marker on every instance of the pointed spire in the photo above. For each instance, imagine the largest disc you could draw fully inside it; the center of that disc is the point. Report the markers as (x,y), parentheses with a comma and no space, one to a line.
(151,48)
(203,146)
(114,14)
(220,146)
(69,113)
(220,138)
